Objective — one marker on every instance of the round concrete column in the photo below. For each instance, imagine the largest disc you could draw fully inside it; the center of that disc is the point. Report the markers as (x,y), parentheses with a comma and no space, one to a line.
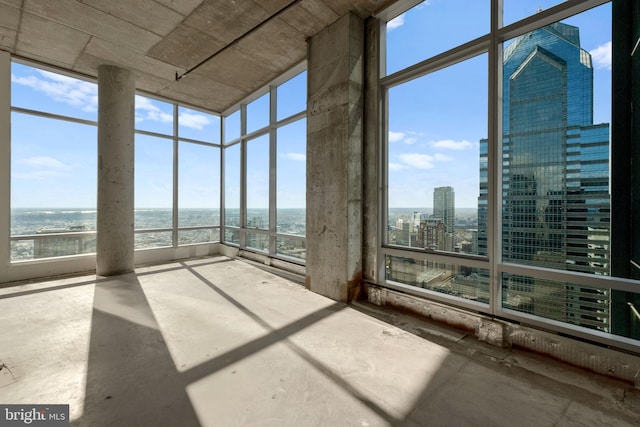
(116,98)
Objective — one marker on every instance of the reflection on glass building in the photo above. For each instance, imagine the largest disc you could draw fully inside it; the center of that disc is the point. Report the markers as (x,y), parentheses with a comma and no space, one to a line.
(555,179)
(444,207)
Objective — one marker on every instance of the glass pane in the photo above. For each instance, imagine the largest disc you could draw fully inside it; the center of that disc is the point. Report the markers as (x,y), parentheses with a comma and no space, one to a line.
(258,114)
(41,90)
(189,237)
(433,174)
(258,183)
(515,10)
(232,236)
(197,217)
(258,241)
(155,239)
(22,250)
(28,221)
(53,245)
(154,116)
(53,175)
(291,178)
(564,302)
(232,185)
(292,96)
(296,248)
(232,127)
(153,182)
(153,218)
(556,205)
(198,125)
(434,27)
(459,281)
(198,185)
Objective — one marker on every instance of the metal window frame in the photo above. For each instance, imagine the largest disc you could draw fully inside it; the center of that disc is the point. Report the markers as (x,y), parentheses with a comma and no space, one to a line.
(174,137)
(271,131)
(492,44)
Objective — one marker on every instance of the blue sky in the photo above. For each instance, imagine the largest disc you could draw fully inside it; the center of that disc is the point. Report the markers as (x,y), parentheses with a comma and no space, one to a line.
(436,121)
(54,161)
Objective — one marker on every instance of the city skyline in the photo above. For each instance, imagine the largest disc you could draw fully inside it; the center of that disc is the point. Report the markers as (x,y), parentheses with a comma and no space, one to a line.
(555,177)
(436,121)
(430,150)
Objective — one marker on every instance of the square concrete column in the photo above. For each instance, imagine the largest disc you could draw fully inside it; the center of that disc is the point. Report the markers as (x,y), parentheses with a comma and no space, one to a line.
(116,103)
(334,159)
(5,163)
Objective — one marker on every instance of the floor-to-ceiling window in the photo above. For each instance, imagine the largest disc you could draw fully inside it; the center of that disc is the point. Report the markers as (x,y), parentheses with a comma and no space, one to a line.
(177,174)
(265,173)
(53,164)
(497,145)
(54,169)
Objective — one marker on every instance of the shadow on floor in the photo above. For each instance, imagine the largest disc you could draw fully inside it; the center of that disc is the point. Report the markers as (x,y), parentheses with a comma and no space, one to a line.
(132,379)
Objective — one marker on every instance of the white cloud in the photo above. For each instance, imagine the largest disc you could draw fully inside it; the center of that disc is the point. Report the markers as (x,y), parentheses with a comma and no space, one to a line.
(602,56)
(396,166)
(442,157)
(396,136)
(402,137)
(38,175)
(299,157)
(147,110)
(143,103)
(396,22)
(74,92)
(419,161)
(159,116)
(42,167)
(193,120)
(450,144)
(44,162)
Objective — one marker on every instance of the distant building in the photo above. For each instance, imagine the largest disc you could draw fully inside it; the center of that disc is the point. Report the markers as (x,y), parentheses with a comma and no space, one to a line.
(403,232)
(431,234)
(555,180)
(444,207)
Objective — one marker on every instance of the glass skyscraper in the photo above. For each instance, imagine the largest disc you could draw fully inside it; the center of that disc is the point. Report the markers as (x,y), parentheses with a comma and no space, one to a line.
(555,177)
(444,208)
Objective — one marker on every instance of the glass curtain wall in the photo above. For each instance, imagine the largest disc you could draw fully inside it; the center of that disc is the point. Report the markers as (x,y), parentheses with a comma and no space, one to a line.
(265,172)
(53,164)
(54,169)
(177,173)
(497,147)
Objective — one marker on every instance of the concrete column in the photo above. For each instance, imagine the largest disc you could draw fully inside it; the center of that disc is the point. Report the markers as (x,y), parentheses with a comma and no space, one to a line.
(371,159)
(5,163)
(116,97)
(334,159)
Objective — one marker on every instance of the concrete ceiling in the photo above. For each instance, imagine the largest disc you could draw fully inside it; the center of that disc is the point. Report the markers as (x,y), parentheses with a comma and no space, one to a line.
(252,41)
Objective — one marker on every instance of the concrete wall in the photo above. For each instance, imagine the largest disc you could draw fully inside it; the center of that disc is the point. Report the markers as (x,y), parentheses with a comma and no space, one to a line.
(605,361)
(5,160)
(372,225)
(334,159)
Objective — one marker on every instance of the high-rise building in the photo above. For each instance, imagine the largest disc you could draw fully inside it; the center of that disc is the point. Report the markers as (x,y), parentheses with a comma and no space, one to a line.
(555,178)
(403,232)
(444,207)
(431,234)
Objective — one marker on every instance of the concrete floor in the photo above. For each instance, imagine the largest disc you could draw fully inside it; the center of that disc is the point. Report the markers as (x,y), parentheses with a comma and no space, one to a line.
(219,342)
